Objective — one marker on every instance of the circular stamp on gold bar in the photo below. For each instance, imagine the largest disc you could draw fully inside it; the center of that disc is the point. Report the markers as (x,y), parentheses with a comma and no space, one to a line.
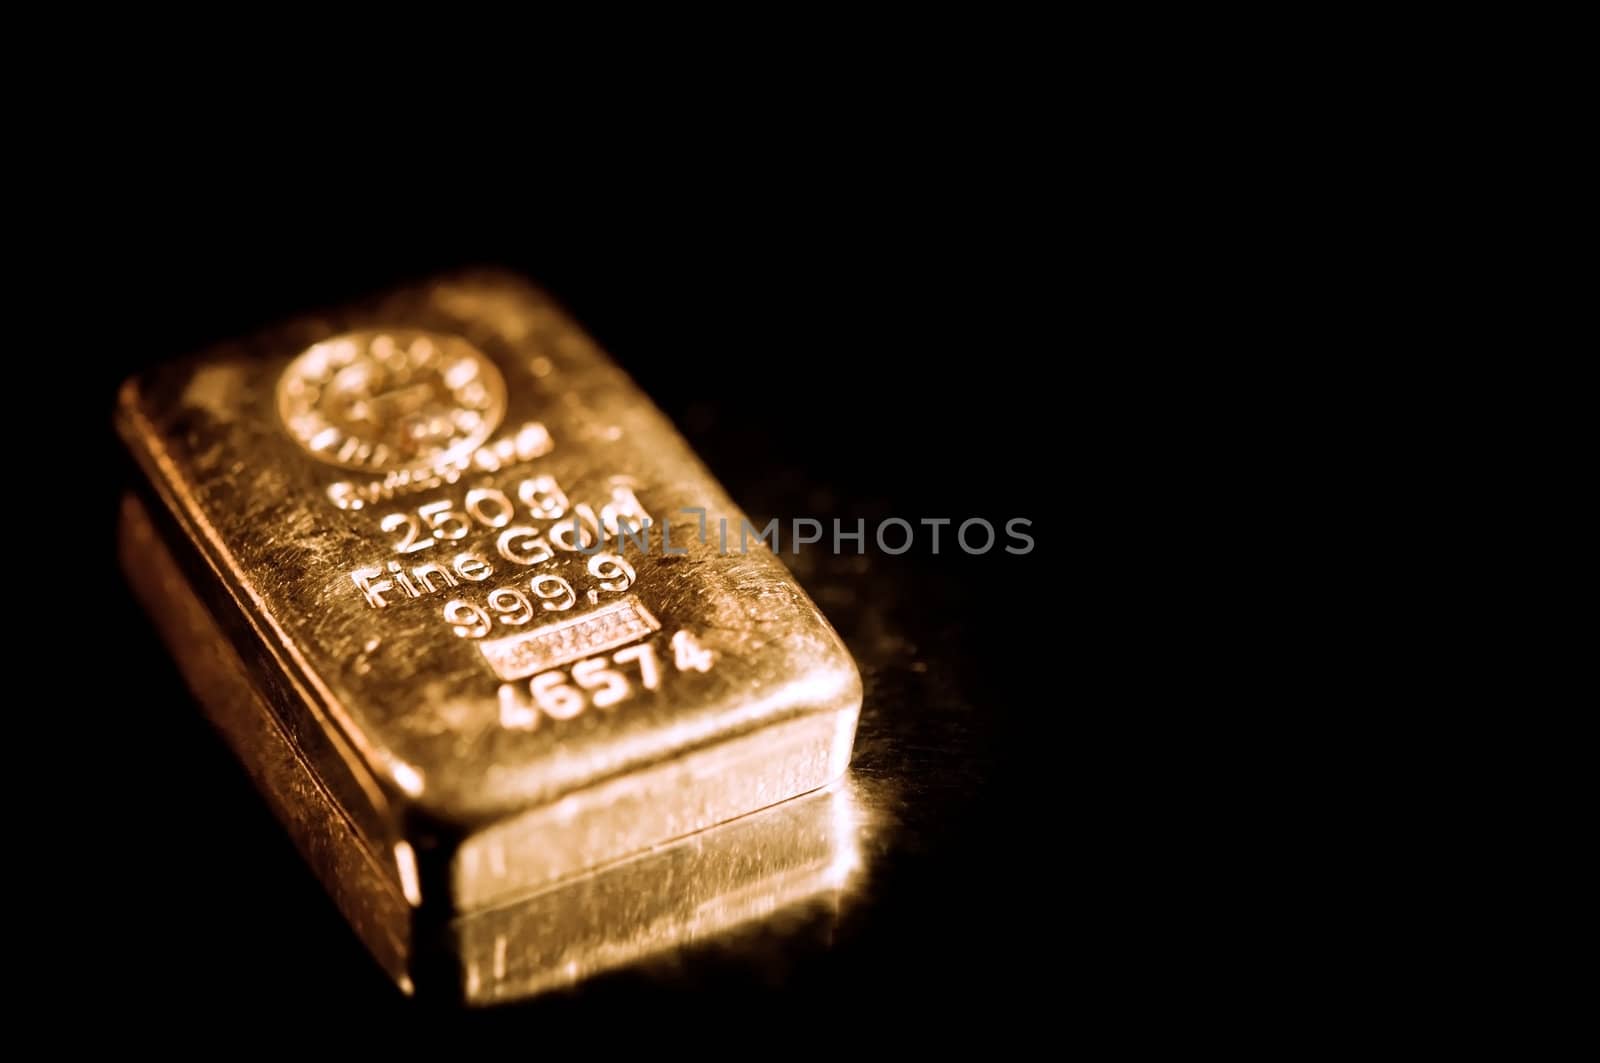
(391,399)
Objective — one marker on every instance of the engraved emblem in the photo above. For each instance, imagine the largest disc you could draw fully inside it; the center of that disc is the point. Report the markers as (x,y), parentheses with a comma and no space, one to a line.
(391,399)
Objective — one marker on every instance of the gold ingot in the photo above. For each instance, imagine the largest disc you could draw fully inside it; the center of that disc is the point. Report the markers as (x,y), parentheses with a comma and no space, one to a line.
(441,575)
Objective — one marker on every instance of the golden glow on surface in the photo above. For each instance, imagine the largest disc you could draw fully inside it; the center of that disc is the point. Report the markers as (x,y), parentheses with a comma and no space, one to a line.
(601,824)
(850,826)
(409,778)
(405,859)
(790,866)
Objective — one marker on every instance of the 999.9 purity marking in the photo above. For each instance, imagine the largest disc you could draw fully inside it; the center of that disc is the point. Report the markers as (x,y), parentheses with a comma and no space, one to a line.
(510,607)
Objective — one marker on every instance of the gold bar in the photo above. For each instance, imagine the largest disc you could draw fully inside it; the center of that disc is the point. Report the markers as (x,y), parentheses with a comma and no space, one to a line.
(439,573)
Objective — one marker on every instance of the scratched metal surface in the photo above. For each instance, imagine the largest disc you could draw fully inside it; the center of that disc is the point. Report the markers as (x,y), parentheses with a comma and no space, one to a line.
(918,912)
(418,704)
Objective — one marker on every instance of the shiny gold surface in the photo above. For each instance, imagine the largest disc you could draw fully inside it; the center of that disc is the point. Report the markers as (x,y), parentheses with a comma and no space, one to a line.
(384,601)
(796,857)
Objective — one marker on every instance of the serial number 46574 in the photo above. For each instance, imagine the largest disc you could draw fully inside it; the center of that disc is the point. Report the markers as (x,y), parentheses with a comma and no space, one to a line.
(600,682)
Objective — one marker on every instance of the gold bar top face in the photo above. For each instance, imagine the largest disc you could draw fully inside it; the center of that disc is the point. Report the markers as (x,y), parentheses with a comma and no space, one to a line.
(485,587)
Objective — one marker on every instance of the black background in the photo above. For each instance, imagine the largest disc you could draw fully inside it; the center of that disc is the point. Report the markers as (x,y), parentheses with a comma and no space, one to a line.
(902,357)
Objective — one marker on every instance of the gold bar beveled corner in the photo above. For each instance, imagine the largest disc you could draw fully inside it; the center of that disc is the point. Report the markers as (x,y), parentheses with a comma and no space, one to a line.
(437,570)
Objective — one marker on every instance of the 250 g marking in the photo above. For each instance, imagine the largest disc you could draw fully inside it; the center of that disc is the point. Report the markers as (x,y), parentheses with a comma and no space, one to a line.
(600,682)
(489,507)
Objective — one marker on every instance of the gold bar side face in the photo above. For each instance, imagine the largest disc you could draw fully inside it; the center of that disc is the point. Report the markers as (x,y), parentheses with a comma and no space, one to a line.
(481,590)
(364,886)
(796,856)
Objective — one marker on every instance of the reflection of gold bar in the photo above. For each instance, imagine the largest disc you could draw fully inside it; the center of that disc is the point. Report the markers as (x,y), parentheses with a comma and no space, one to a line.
(449,697)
